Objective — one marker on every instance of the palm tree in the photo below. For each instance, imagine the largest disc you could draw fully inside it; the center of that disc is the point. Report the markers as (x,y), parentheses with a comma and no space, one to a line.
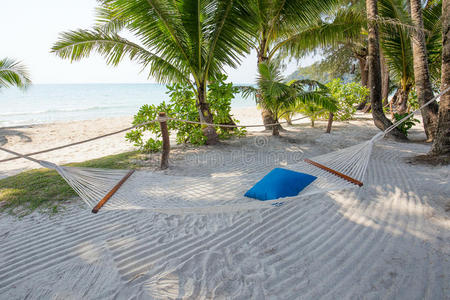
(441,143)
(379,118)
(348,28)
(396,46)
(421,72)
(280,98)
(13,73)
(186,41)
(345,27)
(278,24)
(406,58)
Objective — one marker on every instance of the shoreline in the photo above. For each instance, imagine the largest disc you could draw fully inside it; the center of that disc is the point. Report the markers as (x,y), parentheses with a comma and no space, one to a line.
(20,125)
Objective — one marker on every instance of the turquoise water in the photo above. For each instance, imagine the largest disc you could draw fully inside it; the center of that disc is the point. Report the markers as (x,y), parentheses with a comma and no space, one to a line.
(47,103)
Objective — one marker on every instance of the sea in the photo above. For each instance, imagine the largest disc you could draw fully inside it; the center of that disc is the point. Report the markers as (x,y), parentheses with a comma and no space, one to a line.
(48,103)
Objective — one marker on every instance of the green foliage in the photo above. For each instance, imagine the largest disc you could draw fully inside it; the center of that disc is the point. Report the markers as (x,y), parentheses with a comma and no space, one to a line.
(338,61)
(176,41)
(279,23)
(13,73)
(413,102)
(183,106)
(189,42)
(282,99)
(407,125)
(347,95)
(311,110)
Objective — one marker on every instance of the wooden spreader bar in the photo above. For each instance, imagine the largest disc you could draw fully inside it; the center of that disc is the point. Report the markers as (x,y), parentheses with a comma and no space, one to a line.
(348,178)
(111,192)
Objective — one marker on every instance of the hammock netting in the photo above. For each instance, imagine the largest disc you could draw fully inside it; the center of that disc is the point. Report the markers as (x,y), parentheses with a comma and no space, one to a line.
(208,194)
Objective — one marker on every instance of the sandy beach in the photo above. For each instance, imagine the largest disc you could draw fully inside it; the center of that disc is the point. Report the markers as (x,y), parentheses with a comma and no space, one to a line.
(33,138)
(389,239)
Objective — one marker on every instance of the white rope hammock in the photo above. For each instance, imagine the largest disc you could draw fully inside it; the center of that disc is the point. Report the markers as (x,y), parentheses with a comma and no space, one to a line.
(128,190)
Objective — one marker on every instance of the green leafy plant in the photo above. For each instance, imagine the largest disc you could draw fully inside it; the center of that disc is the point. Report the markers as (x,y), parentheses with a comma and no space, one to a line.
(183,106)
(407,125)
(347,95)
(413,102)
(282,99)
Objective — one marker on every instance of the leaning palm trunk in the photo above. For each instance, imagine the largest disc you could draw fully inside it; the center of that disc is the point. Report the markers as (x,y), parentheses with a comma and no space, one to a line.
(441,144)
(384,80)
(363,67)
(421,72)
(379,118)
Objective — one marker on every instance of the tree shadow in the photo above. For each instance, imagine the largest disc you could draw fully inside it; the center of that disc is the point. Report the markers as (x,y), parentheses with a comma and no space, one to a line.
(13,131)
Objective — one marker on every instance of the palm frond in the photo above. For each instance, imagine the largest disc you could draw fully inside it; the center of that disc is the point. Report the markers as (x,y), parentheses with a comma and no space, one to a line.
(109,20)
(248,91)
(346,26)
(432,22)
(308,84)
(320,99)
(396,43)
(229,34)
(75,45)
(13,73)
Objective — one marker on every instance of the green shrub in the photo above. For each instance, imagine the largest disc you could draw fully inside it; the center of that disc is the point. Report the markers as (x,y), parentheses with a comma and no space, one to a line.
(348,95)
(407,125)
(182,105)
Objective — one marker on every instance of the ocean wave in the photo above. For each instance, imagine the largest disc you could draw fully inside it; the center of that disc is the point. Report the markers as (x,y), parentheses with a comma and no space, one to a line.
(64,110)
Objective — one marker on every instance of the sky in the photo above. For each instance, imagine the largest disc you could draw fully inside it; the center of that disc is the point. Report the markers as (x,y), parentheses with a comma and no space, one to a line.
(29,28)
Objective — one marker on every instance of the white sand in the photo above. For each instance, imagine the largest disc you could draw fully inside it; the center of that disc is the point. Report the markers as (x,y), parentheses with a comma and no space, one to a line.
(34,138)
(388,240)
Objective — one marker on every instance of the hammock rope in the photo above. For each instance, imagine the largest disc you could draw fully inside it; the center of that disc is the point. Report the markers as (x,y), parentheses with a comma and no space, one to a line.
(342,169)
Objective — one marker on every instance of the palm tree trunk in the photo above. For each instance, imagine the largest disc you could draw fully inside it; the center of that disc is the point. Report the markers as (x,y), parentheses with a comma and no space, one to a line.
(206,116)
(441,143)
(402,101)
(384,80)
(374,81)
(289,119)
(275,130)
(421,72)
(364,70)
(330,122)
(266,115)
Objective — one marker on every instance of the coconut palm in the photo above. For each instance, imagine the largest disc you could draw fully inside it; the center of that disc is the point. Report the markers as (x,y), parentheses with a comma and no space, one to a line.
(396,46)
(279,98)
(13,73)
(278,23)
(421,71)
(349,27)
(441,143)
(407,56)
(379,118)
(186,41)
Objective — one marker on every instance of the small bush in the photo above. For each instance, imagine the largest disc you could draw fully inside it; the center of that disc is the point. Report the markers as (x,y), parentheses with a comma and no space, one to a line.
(407,125)
(182,105)
(347,96)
